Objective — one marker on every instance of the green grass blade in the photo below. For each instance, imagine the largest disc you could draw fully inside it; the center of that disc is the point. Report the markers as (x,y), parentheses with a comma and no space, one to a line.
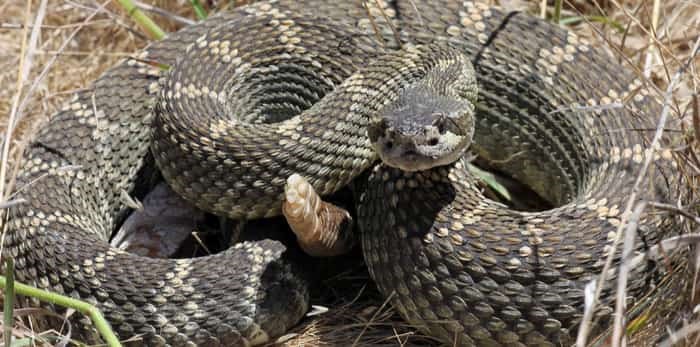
(198,9)
(83,307)
(142,19)
(598,19)
(557,11)
(9,301)
(27,341)
(490,181)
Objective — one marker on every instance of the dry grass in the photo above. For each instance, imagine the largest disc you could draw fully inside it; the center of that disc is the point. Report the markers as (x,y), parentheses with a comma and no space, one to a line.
(91,38)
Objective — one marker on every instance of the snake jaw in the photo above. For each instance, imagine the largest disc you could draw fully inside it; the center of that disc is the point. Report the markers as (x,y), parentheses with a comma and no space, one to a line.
(410,155)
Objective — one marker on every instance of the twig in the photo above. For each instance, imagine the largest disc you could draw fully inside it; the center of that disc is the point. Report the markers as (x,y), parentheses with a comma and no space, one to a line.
(397,37)
(543,9)
(374,316)
(17,26)
(651,52)
(675,209)
(64,337)
(84,53)
(596,108)
(374,24)
(640,25)
(25,64)
(675,336)
(164,13)
(625,34)
(623,272)
(696,116)
(649,155)
(24,68)
(44,175)
(11,203)
(114,18)
(418,15)
(47,66)
(671,244)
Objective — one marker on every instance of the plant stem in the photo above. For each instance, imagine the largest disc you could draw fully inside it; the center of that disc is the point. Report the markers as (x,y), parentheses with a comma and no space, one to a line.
(199,10)
(142,19)
(83,307)
(557,11)
(9,301)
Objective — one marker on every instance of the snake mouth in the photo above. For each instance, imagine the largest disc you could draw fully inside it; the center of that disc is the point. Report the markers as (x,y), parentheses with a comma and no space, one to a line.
(411,152)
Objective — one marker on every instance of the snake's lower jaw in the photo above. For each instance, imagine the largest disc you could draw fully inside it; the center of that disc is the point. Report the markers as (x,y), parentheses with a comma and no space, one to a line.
(410,156)
(412,163)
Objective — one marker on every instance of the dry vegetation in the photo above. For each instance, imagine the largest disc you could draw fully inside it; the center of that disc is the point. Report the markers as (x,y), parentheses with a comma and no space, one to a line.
(78,39)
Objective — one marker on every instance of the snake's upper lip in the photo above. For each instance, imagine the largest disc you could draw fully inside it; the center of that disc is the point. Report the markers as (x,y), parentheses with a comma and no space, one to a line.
(409,156)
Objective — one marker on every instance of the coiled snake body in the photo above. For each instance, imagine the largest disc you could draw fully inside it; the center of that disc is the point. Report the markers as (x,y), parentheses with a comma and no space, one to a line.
(461,267)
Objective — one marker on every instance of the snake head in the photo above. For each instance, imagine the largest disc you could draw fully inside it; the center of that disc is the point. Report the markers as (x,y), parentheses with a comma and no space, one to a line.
(423,128)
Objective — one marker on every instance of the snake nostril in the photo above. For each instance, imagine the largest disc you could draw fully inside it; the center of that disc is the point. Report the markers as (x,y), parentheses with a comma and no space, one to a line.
(433,141)
(389,145)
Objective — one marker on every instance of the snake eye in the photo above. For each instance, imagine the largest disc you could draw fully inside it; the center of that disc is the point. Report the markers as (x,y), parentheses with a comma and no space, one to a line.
(439,122)
(377,130)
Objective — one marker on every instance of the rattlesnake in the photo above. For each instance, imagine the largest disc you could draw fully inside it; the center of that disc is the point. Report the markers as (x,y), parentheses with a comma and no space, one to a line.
(461,267)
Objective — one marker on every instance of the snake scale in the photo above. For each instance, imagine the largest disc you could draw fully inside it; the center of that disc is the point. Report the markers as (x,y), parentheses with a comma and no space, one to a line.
(553,112)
